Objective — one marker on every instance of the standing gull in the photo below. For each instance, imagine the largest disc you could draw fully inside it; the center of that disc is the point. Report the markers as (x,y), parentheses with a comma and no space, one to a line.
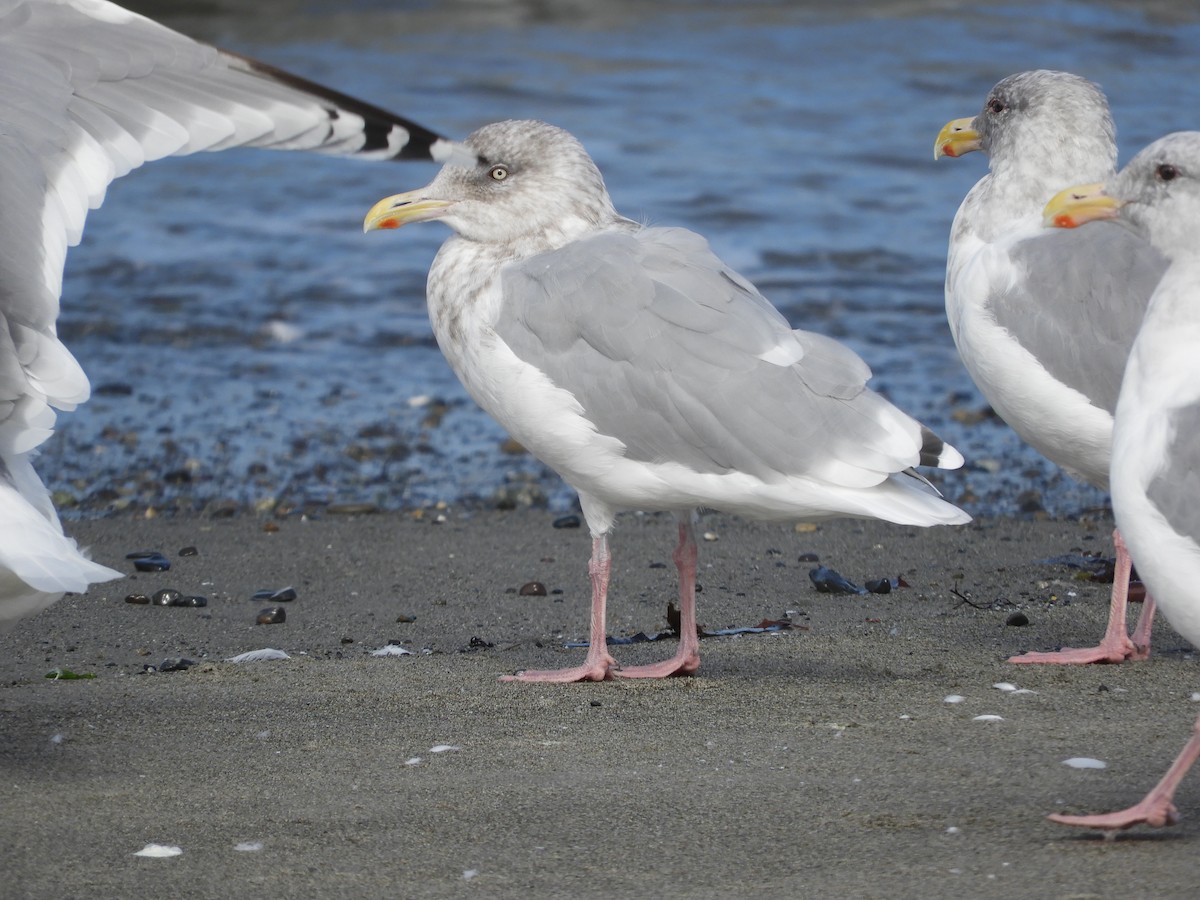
(1156,438)
(89,91)
(1044,319)
(644,370)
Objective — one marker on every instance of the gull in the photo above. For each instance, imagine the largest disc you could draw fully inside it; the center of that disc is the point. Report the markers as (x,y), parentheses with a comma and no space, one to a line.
(1044,319)
(1156,438)
(88,92)
(644,370)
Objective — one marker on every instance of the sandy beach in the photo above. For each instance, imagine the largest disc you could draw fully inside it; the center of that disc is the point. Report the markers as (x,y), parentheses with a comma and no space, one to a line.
(820,760)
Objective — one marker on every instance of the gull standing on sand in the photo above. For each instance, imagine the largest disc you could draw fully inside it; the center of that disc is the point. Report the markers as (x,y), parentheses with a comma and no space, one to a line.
(1156,439)
(89,91)
(1044,319)
(645,371)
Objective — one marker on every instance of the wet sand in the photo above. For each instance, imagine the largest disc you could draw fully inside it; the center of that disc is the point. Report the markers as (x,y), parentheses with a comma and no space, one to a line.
(823,760)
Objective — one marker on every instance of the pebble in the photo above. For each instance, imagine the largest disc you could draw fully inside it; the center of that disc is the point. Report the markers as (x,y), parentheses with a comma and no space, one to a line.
(1017,620)
(828,581)
(175,664)
(282,595)
(571,521)
(272,615)
(166,597)
(137,598)
(808,557)
(188,551)
(149,561)
(532,589)
(1084,762)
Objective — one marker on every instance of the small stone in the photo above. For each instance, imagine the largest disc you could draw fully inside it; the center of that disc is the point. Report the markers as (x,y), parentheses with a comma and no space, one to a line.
(595,703)
(532,589)
(351,509)
(137,598)
(166,597)
(188,551)
(175,664)
(808,557)
(570,521)
(194,601)
(149,561)
(282,595)
(270,527)
(404,620)
(879,585)
(1017,620)
(272,615)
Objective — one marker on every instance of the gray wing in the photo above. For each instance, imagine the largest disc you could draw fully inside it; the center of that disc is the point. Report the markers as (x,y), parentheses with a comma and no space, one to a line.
(683,360)
(1174,489)
(89,91)
(1077,303)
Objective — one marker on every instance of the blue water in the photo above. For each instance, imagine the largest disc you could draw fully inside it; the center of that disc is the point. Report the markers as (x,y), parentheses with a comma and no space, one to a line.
(248,343)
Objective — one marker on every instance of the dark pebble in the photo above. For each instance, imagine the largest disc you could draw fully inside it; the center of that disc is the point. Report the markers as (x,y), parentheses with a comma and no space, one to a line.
(571,521)
(351,509)
(272,615)
(879,585)
(595,703)
(478,643)
(193,601)
(166,597)
(1017,620)
(149,561)
(532,589)
(188,551)
(282,595)
(347,640)
(175,664)
(403,619)
(808,557)
(137,598)
(829,581)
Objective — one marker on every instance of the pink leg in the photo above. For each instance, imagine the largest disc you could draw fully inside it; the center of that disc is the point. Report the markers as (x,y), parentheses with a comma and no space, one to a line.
(599,664)
(686,660)
(1157,808)
(1116,646)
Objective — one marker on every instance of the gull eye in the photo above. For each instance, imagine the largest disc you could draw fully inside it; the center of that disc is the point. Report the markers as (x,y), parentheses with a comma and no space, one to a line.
(996,106)
(498,173)
(1166,172)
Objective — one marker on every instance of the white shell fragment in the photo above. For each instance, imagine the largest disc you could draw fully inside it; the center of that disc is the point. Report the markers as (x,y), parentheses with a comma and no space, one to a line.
(443,748)
(988,718)
(159,851)
(1010,688)
(391,650)
(1085,762)
(258,656)
(248,846)
(954,698)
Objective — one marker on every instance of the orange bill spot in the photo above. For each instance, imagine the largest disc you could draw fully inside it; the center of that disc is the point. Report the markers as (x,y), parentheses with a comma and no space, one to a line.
(389,223)
(1065,220)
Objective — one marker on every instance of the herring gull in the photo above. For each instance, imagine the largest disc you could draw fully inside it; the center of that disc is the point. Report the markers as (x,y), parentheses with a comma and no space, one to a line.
(644,370)
(89,91)
(1043,319)
(1156,436)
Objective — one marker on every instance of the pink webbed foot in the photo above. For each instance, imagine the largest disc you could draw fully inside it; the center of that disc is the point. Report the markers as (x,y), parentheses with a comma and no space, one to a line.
(679,664)
(1156,812)
(1105,652)
(590,671)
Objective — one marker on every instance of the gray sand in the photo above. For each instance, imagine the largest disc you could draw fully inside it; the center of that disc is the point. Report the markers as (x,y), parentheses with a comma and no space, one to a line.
(815,762)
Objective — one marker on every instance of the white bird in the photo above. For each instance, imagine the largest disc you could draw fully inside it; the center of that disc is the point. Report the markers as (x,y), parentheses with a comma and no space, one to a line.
(1043,319)
(1156,439)
(88,92)
(644,370)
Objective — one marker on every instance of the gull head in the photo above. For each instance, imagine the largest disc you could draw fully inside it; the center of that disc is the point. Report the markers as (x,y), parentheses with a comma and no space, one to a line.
(529,181)
(1157,195)
(1044,122)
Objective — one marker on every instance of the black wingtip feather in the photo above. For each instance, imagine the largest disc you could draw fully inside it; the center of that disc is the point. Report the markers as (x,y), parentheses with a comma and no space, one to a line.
(379,122)
(932,448)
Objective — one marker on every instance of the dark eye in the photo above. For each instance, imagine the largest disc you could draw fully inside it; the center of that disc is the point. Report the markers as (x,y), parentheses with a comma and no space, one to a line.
(996,106)
(498,173)
(1166,172)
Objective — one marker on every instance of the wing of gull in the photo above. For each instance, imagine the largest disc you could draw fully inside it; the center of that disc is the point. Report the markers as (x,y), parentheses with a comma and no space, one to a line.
(88,92)
(1156,436)
(1044,319)
(645,371)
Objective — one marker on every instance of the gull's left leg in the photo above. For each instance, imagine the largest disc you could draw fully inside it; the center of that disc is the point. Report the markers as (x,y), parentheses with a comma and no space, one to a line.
(686,660)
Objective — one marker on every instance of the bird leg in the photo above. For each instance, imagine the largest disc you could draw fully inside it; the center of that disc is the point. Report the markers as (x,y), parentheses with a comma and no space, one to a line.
(1116,646)
(1157,808)
(686,660)
(599,664)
